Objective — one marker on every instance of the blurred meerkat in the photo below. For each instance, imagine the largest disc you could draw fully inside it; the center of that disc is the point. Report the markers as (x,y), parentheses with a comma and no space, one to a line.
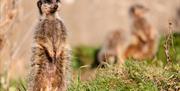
(178,18)
(113,48)
(51,52)
(2,44)
(2,41)
(144,37)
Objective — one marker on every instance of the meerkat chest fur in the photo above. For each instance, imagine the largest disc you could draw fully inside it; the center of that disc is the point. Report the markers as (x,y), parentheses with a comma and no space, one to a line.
(51,33)
(51,36)
(51,54)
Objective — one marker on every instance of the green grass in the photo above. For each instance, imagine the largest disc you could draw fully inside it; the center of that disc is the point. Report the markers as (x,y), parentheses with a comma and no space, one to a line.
(147,75)
(134,76)
(83,55)
(15,85)
(175,56)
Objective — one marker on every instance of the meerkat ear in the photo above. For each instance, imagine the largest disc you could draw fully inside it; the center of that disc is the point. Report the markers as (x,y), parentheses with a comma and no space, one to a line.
(39,3)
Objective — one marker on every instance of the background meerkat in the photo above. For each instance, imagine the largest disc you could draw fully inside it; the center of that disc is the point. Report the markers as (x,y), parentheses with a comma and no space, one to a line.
(144,36)
(114,47)
(51,52)
(177,23)
(140,43)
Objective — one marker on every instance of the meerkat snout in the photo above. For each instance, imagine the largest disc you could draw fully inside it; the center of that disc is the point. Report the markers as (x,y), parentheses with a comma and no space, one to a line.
(54,8)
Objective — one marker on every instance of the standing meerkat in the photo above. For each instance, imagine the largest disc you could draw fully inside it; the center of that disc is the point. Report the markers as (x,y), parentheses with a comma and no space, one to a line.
(144,37)
(114,47)
(51,52)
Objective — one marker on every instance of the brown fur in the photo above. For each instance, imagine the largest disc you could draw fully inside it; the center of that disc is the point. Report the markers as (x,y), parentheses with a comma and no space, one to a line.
(177,23)
(141,43)
(2,42)
(145,37)
(113,48)
(51,56)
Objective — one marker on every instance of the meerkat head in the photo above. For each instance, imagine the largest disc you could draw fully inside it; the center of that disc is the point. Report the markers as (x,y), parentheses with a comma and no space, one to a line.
(138,10)
(48,6)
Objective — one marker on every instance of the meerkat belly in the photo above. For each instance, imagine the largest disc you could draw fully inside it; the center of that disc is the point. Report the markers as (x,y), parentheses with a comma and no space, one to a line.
(52,37)
(50,73)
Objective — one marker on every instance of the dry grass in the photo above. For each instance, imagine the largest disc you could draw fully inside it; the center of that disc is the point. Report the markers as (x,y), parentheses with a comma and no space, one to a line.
(16,23)
(134,76)
(9,10)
